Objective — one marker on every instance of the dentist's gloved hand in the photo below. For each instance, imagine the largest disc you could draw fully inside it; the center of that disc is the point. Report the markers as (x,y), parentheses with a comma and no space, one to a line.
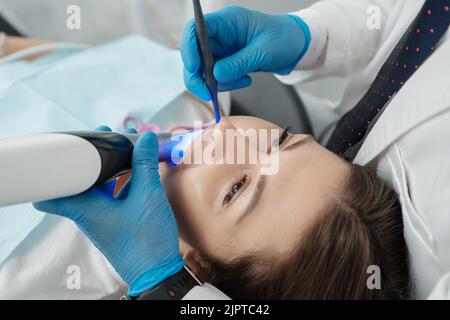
(244,41)
(138,235)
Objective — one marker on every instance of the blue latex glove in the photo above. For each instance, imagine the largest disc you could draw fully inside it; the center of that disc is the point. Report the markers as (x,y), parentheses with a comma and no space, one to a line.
(138,235)
(244,41)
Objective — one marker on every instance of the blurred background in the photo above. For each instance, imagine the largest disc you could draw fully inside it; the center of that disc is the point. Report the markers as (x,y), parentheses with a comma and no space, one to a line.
(162,21)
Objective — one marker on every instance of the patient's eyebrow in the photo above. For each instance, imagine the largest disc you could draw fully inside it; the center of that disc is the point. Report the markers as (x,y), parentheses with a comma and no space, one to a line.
(260,185)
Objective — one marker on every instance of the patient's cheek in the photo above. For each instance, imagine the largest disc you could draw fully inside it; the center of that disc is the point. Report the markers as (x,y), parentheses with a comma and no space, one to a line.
(170,179)
(172,184)
(163,170)
(168,185)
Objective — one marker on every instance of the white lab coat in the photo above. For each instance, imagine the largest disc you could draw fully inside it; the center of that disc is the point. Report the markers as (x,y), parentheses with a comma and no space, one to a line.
(408,143)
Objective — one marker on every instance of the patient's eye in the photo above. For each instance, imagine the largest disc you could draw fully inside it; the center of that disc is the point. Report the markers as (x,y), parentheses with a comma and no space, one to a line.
(235,189)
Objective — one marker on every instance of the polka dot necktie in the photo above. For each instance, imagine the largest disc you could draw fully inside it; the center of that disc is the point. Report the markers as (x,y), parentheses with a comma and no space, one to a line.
(416,45)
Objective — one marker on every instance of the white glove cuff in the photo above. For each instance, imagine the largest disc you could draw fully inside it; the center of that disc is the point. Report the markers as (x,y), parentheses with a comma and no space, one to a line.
(319,39)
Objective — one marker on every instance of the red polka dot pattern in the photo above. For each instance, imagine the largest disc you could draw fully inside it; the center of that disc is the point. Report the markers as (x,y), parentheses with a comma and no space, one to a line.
(416,45)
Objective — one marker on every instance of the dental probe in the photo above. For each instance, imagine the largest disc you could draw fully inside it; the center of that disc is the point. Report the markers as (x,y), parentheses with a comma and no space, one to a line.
(207,57)
(46,166)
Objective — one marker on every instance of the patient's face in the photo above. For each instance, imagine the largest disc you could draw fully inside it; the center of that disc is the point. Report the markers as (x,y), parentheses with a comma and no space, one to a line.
(218,208)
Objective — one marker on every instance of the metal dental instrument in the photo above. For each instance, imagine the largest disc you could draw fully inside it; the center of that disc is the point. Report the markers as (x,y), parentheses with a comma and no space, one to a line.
(207,56)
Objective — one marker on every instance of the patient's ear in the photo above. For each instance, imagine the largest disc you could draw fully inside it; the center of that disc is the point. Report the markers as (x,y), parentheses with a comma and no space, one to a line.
(193,261)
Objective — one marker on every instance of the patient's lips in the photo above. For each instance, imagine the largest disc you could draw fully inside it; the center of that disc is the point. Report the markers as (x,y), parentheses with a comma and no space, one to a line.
(204,150)
(173,147)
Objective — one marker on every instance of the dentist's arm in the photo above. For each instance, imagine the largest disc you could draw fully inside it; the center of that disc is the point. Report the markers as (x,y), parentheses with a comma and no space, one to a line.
(138,235)
(341,41)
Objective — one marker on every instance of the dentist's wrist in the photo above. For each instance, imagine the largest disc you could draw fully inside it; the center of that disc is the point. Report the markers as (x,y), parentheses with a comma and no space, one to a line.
(176,287)
(305,35)
(154,276)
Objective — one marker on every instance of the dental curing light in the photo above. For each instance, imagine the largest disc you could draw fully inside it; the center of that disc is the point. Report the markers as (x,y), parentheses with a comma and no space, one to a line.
(47,166)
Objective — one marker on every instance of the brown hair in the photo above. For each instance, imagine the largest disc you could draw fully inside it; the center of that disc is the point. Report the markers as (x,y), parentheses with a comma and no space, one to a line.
(362,227)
